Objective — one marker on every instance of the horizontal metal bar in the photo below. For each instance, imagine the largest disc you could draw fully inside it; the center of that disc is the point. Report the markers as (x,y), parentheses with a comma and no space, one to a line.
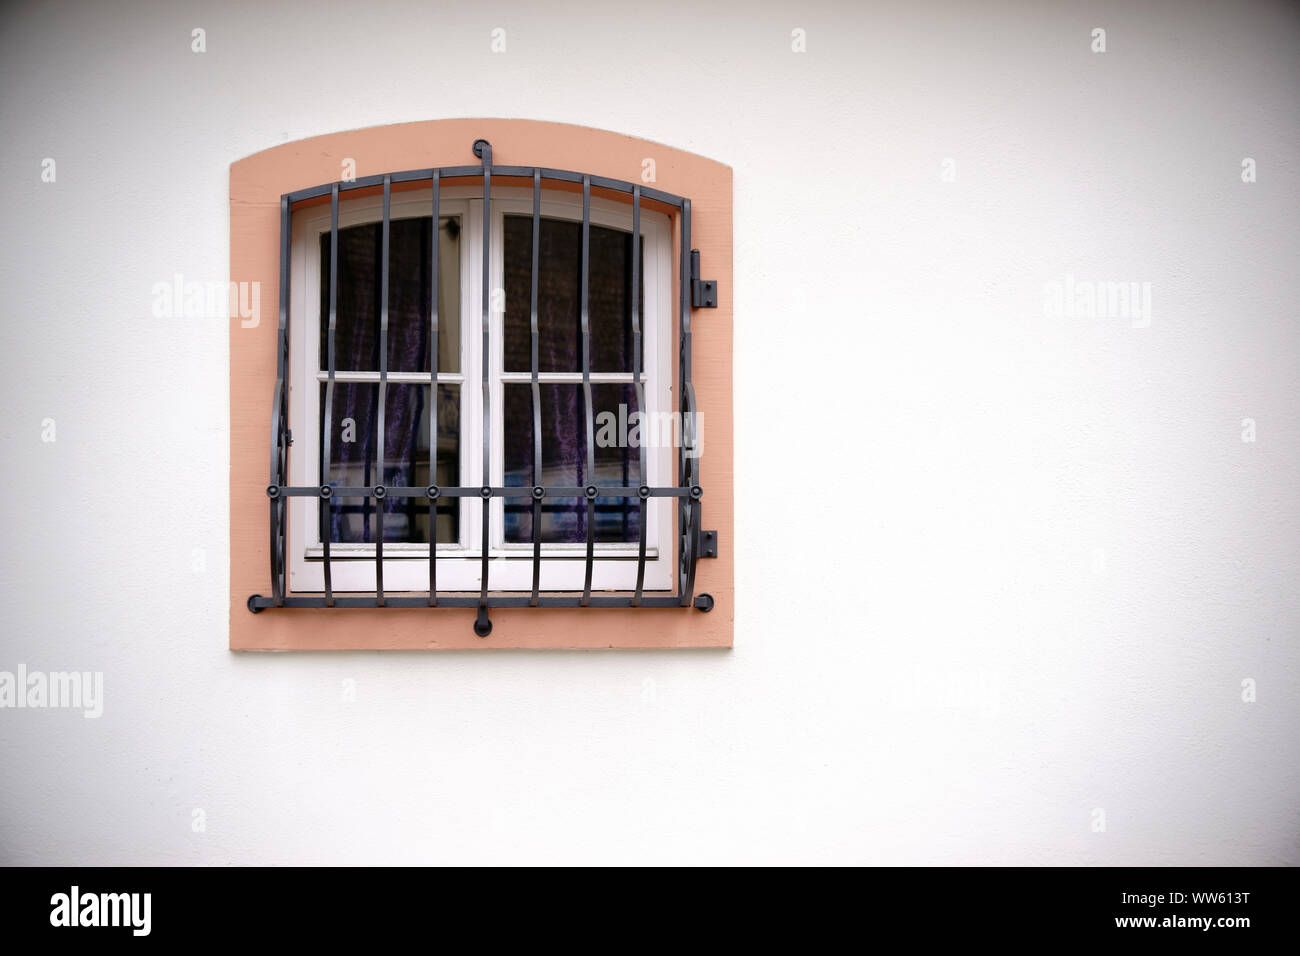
(395,551)
(511,491)
(368,182)
(566,378)
(259,602)
(397,378)
(604,182)
(476,172)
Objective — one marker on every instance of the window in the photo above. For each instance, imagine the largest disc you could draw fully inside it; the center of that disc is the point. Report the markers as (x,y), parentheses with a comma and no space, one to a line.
(480,385)
(354,414)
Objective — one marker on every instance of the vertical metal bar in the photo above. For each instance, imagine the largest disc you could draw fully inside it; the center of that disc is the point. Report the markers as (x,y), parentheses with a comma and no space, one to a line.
(640,390)
(685,344)
(325,507)
(367,475)
(586,389)
(686,553)
(433,396)
(279,440)
(537,394)
(693,506)
(383,396)
(486,154)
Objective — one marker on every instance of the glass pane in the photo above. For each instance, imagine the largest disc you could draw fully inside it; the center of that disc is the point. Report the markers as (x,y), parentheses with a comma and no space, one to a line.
(410,267)
(564,461)
(353,451)
(559,316)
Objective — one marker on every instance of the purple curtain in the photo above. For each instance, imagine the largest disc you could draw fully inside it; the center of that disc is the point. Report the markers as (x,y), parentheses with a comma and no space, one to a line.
(560,343)
(564,429)
(356,342)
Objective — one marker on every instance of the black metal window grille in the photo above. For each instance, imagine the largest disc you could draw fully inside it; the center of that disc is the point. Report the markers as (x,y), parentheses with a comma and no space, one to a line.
(693,543)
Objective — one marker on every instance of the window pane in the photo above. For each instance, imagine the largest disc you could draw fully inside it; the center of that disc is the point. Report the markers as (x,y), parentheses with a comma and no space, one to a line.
(564,461)
(559,279)
(410,268)
(353,450)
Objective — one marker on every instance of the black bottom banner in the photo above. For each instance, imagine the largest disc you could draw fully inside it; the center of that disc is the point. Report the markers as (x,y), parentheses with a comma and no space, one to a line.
(1164,907)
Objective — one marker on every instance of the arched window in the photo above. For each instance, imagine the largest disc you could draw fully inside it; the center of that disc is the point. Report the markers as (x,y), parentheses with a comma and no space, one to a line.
(483,394)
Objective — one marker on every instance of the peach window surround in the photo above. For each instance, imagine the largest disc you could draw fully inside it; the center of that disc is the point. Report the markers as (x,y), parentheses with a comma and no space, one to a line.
(256,185)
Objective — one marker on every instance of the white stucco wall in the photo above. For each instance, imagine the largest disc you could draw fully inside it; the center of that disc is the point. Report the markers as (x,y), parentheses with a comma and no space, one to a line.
(1055,562)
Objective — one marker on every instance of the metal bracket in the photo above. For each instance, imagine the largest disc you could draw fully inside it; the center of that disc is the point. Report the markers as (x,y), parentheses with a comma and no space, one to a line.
(708,544)
(704,292)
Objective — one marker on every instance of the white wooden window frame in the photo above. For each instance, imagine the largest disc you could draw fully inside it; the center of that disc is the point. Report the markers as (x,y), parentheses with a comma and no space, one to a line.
(406,565)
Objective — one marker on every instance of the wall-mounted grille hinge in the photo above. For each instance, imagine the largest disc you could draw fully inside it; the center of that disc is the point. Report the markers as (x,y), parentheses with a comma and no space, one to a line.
(708,544)
(704,292)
